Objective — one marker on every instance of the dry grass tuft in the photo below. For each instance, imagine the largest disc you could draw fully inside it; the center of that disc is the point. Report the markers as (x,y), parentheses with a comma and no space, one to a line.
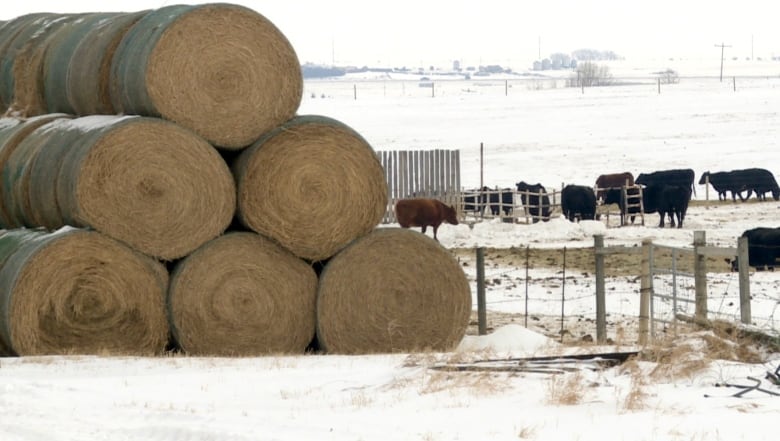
(566,389)
(479,383)
(636,397)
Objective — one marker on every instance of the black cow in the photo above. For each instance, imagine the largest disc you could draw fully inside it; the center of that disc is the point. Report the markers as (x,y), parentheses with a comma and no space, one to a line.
(759,181)
(671,200)
(615,196)
(498,200)
(474,201)
(681,177)
(763,248)
(578,201)
(535,200)
(724,182)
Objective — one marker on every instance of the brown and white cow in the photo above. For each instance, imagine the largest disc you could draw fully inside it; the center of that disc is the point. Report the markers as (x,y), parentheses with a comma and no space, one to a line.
(423,213)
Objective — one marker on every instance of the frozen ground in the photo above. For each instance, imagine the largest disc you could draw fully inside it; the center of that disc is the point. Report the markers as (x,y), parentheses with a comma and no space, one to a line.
(550,136)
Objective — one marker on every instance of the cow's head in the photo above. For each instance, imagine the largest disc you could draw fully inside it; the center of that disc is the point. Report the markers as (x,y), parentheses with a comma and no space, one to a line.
(450,215)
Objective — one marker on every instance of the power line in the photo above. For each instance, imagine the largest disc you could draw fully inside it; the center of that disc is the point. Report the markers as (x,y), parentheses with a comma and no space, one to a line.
(722,47)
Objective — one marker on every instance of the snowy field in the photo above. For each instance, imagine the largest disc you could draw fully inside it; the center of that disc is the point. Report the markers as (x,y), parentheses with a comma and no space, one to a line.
(547,135)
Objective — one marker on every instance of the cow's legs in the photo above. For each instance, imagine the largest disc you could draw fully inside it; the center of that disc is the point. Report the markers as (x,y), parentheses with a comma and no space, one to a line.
(662,215)
(435,228)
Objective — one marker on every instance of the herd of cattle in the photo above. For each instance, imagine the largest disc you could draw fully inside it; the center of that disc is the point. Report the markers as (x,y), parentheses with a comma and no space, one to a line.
(666,192)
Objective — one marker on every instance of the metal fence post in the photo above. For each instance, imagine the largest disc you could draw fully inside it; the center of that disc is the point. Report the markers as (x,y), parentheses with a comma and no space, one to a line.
(601,308)
(744,280)
(481,306)
(700,276)
(645,291)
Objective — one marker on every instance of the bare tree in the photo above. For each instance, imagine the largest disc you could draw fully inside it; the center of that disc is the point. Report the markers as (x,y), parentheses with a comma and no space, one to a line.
(589,74)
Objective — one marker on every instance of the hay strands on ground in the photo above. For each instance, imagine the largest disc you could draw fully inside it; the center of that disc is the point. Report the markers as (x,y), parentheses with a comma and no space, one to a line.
(554,364)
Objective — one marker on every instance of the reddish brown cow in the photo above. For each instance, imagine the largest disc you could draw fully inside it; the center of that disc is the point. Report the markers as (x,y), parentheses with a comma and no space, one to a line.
(424,212)
(615,180)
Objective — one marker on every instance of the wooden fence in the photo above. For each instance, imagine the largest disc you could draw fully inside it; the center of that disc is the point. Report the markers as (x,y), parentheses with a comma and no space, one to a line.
(421,173)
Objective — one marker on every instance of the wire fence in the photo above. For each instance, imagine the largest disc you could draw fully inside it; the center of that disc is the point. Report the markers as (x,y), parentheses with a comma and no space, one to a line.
(346,88)
(544,291)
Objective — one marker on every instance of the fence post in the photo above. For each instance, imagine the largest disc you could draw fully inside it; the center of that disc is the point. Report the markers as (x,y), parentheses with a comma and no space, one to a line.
(601,308)
(354,90)
(481,313)
(659,85)
(700,276)
(744,280)
(645,291)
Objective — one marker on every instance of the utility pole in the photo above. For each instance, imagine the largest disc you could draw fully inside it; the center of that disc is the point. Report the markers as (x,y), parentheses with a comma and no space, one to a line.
(721,46)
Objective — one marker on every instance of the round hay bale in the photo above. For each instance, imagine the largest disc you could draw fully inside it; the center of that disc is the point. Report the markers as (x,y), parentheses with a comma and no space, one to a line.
(88,67)
(42,155)
(313,184)
(393,290)
(224,71)
(78,291)
(28,99)
(13,36)
(147,182)
(9,243)
(12,132)
(242,294)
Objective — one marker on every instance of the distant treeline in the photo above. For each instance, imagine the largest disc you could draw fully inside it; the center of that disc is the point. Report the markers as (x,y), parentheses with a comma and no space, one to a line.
(594,55)
(317,71)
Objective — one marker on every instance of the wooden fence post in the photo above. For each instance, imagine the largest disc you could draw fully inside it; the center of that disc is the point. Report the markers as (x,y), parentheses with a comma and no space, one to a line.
(700,276)
(354,90)
(601,308)
(645,291)
(744,280)
(481,304)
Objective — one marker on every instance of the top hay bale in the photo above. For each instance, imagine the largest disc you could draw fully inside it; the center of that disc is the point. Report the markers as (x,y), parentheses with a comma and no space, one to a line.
(224,71)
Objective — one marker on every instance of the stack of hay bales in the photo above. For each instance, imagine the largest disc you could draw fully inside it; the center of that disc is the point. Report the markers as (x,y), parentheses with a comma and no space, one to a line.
(157,96)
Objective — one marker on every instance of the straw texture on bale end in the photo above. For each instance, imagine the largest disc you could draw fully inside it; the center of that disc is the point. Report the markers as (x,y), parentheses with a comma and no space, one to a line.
(312,184)
(79,292)
(393,290)
(224,71)
(147,182)
(242,294)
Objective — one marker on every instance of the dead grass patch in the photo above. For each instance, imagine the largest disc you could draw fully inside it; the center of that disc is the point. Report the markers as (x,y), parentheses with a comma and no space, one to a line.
(566,389)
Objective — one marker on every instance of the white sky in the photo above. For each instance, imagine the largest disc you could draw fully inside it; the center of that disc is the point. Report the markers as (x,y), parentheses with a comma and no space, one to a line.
(419,34)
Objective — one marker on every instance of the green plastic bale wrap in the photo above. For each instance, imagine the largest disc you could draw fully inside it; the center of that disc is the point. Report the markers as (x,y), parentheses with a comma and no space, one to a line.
(312,184)
(10,241)
(80,292)
(147,182)
(13,131)
(28,94)
(59,56)
(393,290)
(242,295)
(87,75)
(222,70)
(14,35)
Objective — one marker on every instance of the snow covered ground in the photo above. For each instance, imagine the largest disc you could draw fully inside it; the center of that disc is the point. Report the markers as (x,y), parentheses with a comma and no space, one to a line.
(552,136)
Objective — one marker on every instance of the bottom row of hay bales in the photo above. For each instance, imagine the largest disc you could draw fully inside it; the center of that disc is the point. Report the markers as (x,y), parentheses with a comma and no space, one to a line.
(78,291)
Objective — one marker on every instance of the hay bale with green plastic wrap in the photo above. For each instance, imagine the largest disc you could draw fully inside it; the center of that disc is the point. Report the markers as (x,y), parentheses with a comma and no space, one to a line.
(313,184)
(393,290)
(80,292)
(242,295)
(147,182)
(14,131)
(14,35)
(224,71)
